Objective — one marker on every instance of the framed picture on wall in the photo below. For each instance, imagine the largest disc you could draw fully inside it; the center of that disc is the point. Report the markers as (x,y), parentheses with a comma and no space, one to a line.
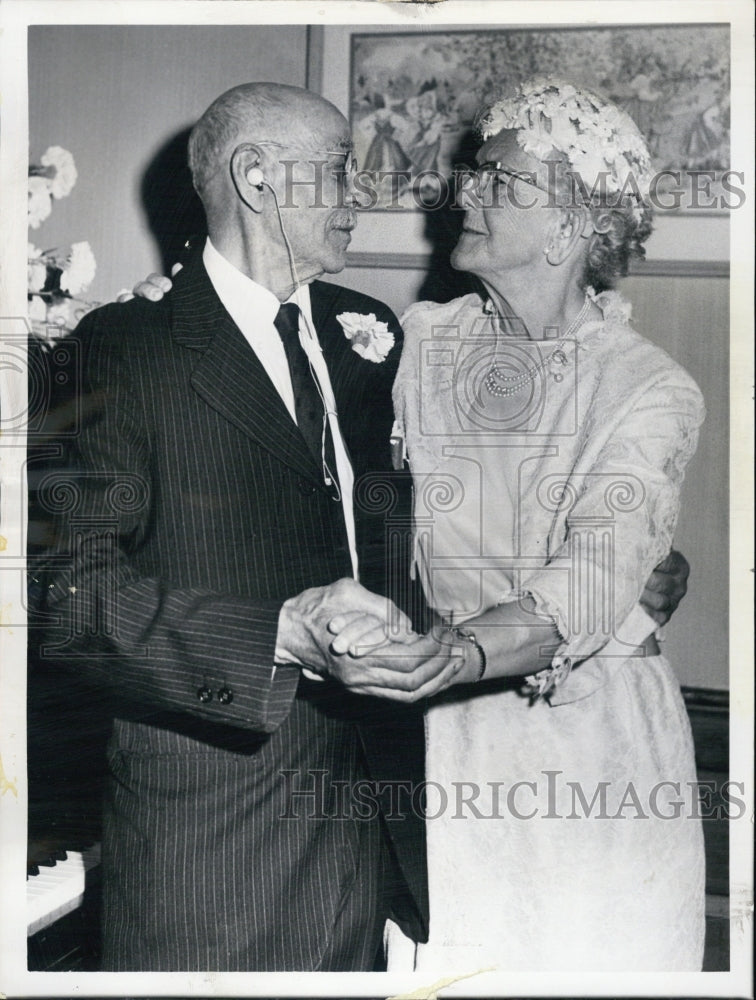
(412,98)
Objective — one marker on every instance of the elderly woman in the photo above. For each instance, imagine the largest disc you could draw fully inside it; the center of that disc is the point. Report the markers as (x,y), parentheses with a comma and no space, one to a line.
(547,441)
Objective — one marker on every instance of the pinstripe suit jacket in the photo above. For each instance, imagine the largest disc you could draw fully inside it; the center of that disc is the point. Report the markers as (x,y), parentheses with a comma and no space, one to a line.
(195,510)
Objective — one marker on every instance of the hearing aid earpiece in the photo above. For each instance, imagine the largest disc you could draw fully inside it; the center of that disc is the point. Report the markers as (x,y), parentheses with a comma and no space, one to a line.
(255,177)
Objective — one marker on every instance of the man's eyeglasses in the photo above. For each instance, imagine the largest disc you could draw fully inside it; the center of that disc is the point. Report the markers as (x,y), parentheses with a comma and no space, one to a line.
(348,170)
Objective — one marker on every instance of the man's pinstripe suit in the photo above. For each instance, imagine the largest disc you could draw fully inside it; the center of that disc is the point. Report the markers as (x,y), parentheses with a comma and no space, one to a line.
(195,511)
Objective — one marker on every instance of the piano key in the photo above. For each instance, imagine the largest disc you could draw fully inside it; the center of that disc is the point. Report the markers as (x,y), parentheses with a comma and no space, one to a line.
(58,890)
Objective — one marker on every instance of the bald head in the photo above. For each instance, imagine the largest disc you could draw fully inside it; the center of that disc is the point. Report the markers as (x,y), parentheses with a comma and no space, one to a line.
(253,112)
(261,148)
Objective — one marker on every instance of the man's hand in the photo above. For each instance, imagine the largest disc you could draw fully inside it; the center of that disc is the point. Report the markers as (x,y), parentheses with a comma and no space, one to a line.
(666,587)
(399,665)
(154,287)
(303,622)
(407,669)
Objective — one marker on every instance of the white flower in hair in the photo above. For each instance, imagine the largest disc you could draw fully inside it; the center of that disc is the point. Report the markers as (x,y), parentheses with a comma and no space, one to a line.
(370,338)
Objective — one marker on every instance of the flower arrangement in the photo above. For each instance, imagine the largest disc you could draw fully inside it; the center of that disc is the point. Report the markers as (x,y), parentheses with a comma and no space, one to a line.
(55,278)
(598,139)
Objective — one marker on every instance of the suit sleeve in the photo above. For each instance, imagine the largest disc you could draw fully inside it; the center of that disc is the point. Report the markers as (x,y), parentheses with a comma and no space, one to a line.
(161,646)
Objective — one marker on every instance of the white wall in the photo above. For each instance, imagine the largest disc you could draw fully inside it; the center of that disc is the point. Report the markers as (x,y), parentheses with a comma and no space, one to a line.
(113,96)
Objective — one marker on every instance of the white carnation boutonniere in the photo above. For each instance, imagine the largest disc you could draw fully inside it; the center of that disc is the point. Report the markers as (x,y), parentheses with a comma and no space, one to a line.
(370,338)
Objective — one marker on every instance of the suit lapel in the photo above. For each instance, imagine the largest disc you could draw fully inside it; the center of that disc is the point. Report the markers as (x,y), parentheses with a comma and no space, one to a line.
(229,376)
(322,302)
(345,368)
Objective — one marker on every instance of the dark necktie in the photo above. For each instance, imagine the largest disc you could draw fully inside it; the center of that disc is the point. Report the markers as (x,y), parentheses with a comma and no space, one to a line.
(308,404)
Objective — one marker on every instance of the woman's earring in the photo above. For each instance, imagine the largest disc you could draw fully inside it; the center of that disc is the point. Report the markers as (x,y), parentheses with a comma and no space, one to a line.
(549,250)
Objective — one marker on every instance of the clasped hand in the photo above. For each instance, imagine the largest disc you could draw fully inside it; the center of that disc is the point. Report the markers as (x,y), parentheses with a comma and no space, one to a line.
(365,642)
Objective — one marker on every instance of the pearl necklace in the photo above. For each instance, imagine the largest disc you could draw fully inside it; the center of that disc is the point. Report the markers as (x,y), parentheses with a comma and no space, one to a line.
(516,383)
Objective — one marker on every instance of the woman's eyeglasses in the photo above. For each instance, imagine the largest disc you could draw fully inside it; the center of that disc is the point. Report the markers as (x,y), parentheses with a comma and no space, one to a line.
(480,177)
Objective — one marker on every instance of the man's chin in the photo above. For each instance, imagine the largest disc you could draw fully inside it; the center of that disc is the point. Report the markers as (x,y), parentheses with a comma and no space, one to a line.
(335,260)
(334,267)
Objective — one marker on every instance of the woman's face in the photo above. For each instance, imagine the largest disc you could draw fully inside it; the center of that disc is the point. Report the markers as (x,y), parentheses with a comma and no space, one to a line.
(509,216)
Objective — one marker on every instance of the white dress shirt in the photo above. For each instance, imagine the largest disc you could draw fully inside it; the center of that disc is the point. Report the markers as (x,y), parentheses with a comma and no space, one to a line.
(254,308)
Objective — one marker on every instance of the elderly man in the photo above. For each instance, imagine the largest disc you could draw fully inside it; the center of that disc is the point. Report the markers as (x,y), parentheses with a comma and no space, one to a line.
(214,536)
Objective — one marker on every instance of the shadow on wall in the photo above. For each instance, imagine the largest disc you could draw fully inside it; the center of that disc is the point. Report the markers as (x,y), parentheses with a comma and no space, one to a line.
(172,206)
(442,227)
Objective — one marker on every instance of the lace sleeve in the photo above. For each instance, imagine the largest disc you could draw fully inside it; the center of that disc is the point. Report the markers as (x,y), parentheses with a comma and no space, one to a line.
(419,400)
(620,521)
(404,392)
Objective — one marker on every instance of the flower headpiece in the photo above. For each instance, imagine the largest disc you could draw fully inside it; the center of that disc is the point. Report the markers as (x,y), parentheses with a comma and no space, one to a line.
(600,141)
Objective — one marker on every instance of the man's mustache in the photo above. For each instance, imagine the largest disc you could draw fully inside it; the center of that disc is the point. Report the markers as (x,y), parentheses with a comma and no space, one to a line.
(346,221)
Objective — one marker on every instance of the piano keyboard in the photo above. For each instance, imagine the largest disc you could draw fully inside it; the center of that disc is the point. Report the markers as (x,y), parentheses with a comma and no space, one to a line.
(59,889)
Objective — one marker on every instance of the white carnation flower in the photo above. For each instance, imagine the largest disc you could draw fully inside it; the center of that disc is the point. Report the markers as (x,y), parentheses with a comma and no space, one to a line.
(80,269)
(40,203)
(36,270)
(65,170)
(37,310)
(371,339)
(59,314)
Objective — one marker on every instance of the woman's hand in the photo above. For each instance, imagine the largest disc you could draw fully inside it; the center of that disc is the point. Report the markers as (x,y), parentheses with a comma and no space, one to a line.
(357,633)
(154,287)
(411,666)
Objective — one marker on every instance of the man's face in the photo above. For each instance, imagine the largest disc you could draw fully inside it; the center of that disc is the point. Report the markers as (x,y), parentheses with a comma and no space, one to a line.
(315,194)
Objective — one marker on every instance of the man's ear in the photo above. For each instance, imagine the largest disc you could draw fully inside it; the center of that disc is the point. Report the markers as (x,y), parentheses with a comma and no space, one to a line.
(567,233)
(247,175)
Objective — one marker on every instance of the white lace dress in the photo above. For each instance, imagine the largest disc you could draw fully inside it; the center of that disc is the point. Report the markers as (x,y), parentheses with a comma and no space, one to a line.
(562,832)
